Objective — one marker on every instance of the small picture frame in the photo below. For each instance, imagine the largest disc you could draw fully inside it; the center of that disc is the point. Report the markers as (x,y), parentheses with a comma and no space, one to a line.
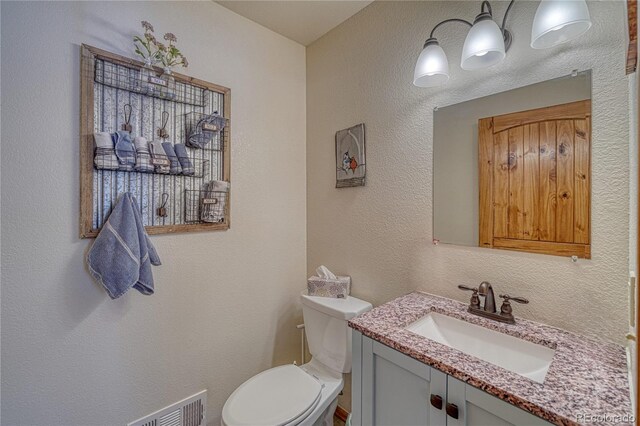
(350,157)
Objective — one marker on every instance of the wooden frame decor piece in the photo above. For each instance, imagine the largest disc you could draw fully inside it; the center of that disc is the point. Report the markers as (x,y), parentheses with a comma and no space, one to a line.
(535,180)
(112,99)
(350,157)
(634,337)
(632,36)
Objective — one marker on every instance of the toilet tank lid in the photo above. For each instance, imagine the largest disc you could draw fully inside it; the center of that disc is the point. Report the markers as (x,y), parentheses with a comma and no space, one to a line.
(345,309)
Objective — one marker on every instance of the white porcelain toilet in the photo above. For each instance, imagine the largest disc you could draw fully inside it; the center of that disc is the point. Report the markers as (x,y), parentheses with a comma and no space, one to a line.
(306,395)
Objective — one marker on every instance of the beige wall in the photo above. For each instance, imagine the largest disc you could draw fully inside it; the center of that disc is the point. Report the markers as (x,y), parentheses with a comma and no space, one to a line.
(381,234)
(226,303)
(455,150)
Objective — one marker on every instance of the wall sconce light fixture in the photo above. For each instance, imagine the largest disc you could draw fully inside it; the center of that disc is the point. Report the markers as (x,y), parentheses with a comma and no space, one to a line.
(486,44)
(557,22)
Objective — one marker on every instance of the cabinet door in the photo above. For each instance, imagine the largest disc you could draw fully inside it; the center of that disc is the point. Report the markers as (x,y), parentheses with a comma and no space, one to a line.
(478,408)
(396,389)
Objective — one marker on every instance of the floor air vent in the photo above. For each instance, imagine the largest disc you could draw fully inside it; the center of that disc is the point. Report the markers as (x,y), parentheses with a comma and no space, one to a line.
(188,412)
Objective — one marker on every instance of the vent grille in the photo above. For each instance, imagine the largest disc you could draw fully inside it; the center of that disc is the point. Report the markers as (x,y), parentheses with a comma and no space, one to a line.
(193,413)
(188,412)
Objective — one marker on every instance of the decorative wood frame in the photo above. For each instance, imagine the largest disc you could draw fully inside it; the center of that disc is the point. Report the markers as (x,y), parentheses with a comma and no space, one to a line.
(637,289)
(88,57)
(632,32)
(487,128)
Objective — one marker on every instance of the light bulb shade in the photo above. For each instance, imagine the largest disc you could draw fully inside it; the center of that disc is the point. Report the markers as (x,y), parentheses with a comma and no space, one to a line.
(432,68)
(558,21)
(484,45)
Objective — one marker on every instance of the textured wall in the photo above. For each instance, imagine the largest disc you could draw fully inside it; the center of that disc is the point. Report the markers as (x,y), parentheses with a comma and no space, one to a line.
(226,303)
(381,234)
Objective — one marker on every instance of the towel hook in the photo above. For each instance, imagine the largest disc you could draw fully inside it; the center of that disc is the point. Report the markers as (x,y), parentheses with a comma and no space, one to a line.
(127,118)
(162,210)
(162,131)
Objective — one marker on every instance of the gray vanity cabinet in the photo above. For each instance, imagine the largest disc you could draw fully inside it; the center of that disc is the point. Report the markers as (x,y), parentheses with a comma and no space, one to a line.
(478,408)
(390,388)
(395,389)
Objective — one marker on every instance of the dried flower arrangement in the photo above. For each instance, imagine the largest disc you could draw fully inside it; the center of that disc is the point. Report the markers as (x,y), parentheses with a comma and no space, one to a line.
(154,51)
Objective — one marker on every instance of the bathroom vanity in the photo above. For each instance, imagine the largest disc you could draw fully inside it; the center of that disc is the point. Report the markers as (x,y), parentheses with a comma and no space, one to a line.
(425,360)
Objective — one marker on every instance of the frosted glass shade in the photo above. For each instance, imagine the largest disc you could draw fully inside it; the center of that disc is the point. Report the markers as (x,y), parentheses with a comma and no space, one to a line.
(432,68)
(558,21)
(484,45)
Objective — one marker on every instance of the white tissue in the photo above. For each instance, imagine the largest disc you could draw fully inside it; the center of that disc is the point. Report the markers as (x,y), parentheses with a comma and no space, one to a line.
(323,272)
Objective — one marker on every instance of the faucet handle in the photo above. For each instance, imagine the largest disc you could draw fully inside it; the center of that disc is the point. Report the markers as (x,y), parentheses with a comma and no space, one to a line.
(506,310)
(475,300)
(507,298)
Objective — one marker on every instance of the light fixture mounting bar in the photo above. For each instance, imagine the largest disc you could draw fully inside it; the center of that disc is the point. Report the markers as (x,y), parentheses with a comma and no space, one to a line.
(449,20)
(505,33)
(486,3)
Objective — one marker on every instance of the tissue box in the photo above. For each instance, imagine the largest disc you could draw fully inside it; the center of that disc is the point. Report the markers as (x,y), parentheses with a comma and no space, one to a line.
(339,288)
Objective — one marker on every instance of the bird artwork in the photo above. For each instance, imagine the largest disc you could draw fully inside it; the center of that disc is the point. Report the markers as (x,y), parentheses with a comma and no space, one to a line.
(346,162)
(350,159)
(353,164)
(349,163)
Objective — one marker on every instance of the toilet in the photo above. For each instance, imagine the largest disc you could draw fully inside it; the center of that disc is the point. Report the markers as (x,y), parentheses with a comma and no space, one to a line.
(307,395)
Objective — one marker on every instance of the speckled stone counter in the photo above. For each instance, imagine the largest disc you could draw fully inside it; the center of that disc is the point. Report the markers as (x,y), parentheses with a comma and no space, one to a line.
(586,376)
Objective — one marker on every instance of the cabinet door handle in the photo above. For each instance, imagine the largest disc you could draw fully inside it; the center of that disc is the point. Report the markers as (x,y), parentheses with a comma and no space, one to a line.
(452,410)
(436,401)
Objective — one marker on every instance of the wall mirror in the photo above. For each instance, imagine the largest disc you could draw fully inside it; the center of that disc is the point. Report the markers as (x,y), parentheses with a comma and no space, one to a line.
(513,170)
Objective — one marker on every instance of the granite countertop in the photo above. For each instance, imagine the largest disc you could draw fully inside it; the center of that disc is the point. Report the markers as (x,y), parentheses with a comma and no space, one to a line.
(586,376)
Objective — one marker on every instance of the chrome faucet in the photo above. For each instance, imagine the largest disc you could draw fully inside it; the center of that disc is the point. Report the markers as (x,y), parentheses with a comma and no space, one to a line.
(489,309)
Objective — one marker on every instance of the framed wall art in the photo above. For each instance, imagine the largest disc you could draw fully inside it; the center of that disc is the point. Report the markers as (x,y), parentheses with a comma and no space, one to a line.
(350,157)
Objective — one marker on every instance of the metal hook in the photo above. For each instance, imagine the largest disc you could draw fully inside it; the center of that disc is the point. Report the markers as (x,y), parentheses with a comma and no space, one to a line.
(127,118)
(165,119)
(162,211)
(127,113)
(162,131)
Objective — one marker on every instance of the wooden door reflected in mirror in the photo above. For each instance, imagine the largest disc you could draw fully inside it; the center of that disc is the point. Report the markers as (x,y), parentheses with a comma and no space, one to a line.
(534,174)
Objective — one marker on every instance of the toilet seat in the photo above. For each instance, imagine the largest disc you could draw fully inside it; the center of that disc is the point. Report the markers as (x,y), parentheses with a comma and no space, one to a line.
(280,396)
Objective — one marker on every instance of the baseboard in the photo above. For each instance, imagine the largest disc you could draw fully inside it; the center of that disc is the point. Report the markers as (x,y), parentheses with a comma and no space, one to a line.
(341,413)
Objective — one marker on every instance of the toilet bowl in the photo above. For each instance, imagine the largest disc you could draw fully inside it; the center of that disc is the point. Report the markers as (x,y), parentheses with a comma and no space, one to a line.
(307,395)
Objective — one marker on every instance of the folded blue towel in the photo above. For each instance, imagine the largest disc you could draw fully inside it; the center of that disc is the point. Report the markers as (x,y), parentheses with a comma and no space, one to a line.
(183,157)
(174,166)
(105,154)
(125,151)
(143,157)
(122,254)
(204,130)
(159,157)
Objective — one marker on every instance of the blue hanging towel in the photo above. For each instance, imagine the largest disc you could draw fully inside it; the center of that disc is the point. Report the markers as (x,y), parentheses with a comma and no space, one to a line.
(125,151)
(122,254)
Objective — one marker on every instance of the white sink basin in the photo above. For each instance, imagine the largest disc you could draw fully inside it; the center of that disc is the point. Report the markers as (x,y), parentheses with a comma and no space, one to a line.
(519,356)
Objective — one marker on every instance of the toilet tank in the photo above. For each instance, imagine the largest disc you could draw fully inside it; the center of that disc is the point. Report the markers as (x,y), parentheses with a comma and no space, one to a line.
(328,335)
